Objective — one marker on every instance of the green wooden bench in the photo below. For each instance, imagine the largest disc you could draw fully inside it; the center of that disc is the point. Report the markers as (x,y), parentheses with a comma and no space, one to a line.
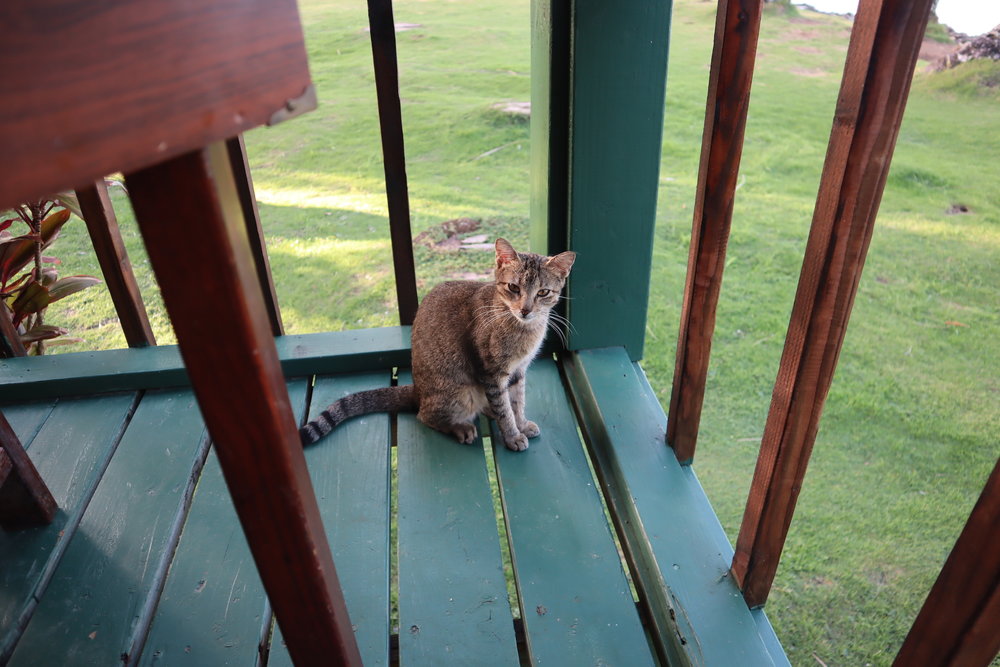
(146,557)
(191,527)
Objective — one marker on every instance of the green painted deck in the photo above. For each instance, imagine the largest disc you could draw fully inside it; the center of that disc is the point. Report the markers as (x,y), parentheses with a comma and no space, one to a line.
(146,563)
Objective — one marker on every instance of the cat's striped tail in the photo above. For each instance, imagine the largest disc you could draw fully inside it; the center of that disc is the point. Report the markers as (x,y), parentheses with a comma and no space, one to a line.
(386,399)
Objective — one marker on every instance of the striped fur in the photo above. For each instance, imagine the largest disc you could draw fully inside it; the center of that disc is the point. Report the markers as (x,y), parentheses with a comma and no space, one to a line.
(472,343)
(386,399)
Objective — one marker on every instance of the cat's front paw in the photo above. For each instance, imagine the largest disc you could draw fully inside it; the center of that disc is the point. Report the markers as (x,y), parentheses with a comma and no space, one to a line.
(530,429)
(518,443)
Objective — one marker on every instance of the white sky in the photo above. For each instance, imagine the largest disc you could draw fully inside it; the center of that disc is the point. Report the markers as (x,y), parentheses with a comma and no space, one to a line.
(972,17)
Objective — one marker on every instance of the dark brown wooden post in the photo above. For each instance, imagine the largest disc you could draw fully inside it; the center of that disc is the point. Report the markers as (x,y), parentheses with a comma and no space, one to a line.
(737,25)
(10,340)
(383,36)
(883,51)
(190,217)
(959,623)
(109,247)
(24,498)
(255,232)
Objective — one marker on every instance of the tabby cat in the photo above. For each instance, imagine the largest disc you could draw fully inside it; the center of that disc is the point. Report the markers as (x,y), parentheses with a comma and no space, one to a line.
(471,344)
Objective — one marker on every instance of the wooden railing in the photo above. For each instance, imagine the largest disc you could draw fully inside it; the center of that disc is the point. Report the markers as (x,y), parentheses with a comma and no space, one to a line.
(952,628)
(880,62)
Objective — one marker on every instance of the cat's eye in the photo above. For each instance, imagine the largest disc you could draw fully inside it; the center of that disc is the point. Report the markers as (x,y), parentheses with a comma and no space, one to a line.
(514,289)
(544,292)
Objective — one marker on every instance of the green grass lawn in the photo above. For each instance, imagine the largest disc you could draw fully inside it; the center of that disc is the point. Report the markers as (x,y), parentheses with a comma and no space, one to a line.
(910,429)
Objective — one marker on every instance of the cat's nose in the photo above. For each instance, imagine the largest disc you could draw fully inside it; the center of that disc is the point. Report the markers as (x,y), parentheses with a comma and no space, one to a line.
(525,312)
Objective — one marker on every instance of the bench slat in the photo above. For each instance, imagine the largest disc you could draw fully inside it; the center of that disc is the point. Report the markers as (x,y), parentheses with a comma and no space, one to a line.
(350,472)
(577,605)
(27,418)
(681,551)
(84,432)
(453,605)
(212,606)
(110,566)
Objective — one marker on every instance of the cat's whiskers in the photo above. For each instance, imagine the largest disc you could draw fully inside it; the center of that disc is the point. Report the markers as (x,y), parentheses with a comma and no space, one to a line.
(564,321)
(490,314)
(551,324)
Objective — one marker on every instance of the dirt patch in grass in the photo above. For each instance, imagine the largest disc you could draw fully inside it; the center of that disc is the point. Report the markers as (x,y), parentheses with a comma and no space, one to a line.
(933,51)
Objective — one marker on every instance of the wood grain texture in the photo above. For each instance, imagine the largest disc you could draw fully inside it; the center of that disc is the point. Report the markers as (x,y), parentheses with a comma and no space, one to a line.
(350,471)
(255,231)
(736,29)
(123,370)
(110,566)
(453,606)
(94,88)
(213,601)
(106,237)
(576,603)
(241,391)
(881,57)
(82,431)
(390,115)
(678,551)
(959,623)
(25,500)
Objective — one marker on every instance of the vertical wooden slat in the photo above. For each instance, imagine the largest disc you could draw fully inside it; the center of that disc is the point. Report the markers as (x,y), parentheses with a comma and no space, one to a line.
(383,36)
(189,213)
(10,340)
(959,623)
(737,25)
(881,57)
(98,213)
(24,498)
(255,232)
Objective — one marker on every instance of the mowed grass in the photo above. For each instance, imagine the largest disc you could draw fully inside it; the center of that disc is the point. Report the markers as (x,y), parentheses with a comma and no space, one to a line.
(910,428)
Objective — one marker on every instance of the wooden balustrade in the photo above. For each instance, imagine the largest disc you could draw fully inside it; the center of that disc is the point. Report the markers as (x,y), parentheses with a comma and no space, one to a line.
(885,42)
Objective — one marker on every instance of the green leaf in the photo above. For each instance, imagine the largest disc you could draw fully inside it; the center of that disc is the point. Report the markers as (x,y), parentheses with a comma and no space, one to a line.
(32,298)
(42,332)
(63,287)
(70,201)
(17,252)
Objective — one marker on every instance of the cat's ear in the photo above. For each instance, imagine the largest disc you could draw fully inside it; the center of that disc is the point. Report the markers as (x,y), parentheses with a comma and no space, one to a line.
(505,252)
(561,263)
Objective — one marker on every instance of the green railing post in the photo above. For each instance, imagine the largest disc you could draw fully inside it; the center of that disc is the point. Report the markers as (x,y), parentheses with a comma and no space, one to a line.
(598,82)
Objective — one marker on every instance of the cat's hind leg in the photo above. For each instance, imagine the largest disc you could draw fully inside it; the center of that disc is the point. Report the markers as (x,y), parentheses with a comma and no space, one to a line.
(454,415)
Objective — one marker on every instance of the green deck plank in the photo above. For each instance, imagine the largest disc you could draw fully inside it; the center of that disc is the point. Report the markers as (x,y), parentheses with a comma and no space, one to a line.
(681,551)
(453,605)
(70,452)
(160,366)
(110,566)
(350,472)
(577,605)
(212,605)
(27,418)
